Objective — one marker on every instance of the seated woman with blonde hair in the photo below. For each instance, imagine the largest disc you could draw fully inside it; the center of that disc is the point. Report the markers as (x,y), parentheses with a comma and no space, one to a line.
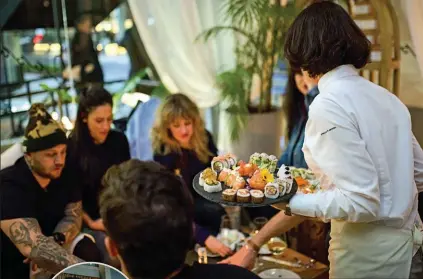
(182,144)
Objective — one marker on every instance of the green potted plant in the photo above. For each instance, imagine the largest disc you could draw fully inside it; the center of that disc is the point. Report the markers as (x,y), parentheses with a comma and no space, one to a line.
(259,28)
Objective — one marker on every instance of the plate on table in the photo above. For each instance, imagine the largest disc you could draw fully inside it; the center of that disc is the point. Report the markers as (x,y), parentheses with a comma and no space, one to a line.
(217,196)
(279,273)
(228,237)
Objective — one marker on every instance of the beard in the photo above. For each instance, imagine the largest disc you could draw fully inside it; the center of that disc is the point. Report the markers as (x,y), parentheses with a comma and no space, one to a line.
(43,172)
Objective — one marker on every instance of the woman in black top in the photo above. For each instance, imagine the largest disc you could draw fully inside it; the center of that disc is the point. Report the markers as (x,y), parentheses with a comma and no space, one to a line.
(182,144)
(93,148)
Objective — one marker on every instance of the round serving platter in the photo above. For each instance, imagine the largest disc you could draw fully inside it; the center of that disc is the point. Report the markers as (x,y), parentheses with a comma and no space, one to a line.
(217,197)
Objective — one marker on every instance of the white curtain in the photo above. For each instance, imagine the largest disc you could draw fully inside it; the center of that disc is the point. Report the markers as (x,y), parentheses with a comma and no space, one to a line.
(414,14)
(168,29)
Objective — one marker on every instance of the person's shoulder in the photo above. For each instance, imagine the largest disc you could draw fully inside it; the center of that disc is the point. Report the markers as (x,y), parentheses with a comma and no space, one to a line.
(13,171)
(325,106)
(13,177)
(160,152)
(70,143)
(116,136)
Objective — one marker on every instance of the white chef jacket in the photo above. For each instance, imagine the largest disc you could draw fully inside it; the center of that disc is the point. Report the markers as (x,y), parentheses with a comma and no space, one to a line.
(359,143)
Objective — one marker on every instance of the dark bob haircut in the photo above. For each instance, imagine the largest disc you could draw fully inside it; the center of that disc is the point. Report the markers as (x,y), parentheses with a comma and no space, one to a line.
(323,37)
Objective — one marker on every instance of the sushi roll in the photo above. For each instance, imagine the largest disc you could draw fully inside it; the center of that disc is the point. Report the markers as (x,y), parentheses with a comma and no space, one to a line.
(212,185)
(255,159)
(271,190)
(243,195)
(219,163)
(207,173)
(265,161)
(288,182)
(232,160)
(239,183)
(229,195)
(284,172)
(230,181)
(223,175)
(247,170)
(273,163)
(282,186)
(257,196)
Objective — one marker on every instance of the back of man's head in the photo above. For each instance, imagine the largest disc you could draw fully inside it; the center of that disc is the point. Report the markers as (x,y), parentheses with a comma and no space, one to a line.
(148,214)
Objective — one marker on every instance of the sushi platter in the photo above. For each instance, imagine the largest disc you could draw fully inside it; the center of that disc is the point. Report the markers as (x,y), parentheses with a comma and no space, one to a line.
(250,184)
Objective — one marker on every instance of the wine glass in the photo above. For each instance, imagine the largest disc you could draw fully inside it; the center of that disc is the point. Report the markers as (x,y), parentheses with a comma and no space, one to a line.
(276,246)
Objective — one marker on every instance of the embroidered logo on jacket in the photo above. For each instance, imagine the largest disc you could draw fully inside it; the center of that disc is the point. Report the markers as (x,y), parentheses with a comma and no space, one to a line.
(333,128)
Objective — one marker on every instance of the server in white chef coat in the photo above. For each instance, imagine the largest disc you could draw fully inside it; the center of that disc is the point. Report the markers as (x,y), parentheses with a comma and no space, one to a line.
(359,143)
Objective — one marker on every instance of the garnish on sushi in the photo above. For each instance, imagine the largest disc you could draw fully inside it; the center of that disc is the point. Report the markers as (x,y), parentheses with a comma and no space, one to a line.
(207,173)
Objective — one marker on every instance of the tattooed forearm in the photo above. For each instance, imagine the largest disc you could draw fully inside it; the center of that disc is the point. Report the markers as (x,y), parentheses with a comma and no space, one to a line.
(71,224)
(20,231)
(27,236)
(51,256)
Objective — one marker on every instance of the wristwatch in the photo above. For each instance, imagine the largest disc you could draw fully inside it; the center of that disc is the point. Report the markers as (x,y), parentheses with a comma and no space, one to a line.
(288,210)
(59,238)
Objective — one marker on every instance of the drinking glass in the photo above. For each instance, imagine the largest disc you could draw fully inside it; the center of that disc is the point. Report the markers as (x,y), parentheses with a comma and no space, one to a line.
(276,246)
(225,228)
(202,255)
(259,223)
(225,222)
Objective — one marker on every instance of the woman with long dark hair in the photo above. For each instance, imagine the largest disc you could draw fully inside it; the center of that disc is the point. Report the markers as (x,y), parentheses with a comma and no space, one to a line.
(299,96)
(93,148)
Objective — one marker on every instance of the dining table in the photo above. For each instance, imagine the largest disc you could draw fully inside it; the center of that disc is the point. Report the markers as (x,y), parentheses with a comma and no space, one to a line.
(304,266)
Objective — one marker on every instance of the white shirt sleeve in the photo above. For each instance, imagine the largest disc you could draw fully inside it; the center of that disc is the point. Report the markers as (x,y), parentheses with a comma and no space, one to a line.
(418,165)
(333,143)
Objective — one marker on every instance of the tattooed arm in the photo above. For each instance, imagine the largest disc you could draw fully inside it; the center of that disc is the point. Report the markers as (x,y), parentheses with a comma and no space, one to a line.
(71,224)
(26,234)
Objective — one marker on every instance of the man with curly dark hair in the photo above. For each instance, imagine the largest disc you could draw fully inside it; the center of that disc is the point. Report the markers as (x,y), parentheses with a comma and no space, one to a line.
(359,143)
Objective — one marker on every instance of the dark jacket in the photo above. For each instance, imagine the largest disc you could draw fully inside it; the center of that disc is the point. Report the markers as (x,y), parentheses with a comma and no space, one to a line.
(187,162)
(189,165)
